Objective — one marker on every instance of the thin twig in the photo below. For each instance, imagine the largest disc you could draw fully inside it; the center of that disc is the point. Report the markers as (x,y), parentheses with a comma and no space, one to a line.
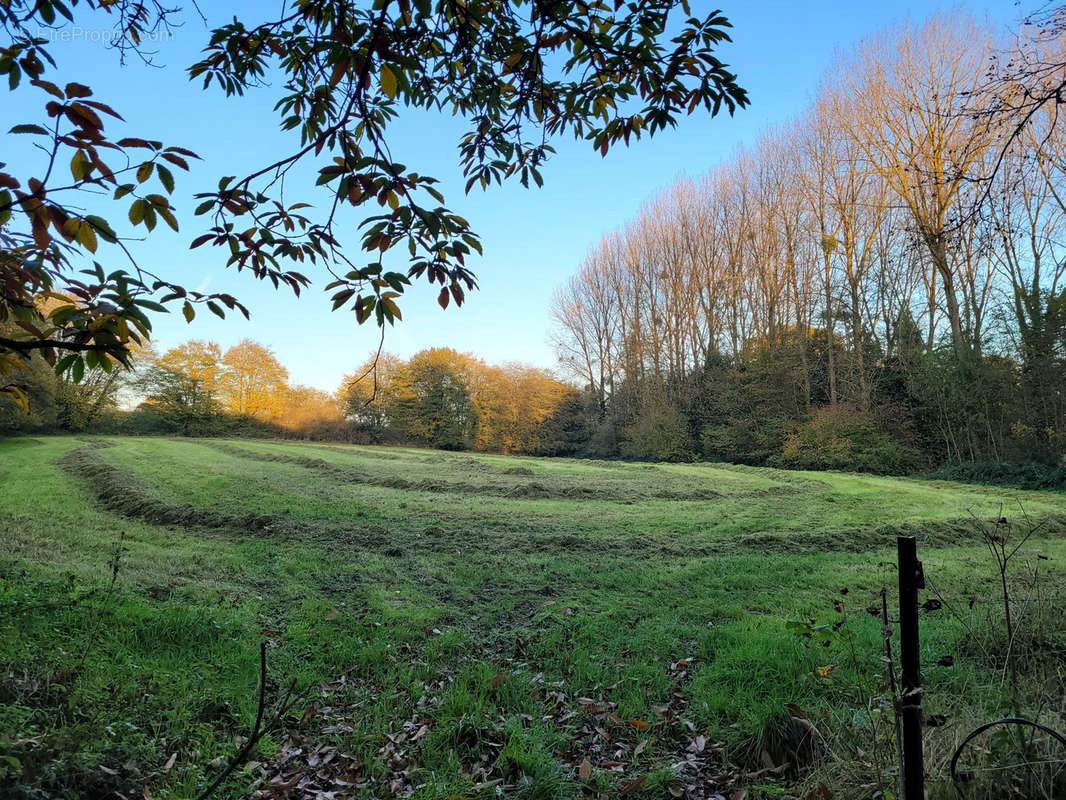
(258,730)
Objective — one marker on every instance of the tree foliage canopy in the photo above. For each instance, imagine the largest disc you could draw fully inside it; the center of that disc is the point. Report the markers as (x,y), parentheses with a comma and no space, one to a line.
(520,72)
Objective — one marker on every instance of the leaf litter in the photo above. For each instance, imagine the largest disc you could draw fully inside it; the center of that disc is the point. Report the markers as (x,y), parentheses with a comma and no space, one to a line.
(602,748)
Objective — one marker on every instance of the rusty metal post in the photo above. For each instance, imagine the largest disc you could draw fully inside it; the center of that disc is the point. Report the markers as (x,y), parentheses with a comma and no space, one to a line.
(911,579)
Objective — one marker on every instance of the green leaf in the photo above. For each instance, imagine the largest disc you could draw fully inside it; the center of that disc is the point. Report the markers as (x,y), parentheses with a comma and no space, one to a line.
(188,311)
(102,228)
(86,236)
(29,129)
(166,177)
(65,363)
(137,212)
(169,218)
(388,81)
(80,166)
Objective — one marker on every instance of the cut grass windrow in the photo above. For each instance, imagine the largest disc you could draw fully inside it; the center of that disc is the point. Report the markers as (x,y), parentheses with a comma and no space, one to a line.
(120,492)
(471,643)
(785,483)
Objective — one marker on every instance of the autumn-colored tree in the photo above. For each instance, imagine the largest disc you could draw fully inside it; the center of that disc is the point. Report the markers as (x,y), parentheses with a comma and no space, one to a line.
(432,398)
(369,394)
(831,262)
(198,361)
(512,403)
(254,381)
(915,84)
(307,411)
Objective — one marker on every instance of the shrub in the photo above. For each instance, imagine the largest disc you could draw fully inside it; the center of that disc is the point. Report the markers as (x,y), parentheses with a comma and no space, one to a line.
(660,433)
(743,440)
(1018,476)
(842,437)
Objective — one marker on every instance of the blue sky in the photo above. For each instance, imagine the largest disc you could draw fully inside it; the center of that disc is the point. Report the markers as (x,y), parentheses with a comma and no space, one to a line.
(533,239)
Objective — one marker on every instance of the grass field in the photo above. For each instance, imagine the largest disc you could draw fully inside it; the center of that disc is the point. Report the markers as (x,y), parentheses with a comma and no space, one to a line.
(466,625)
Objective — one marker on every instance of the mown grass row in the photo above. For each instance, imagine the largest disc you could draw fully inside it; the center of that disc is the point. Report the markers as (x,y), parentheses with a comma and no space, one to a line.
(424,599)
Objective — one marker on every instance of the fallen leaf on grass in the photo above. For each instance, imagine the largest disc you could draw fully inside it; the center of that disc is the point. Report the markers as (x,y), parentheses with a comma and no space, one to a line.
(631,786)
(309,714)
(640,724)
(584,772)
(499,678)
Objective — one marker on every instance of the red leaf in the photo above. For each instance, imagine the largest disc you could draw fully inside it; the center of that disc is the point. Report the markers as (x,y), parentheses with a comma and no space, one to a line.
(78,90)
(631,786)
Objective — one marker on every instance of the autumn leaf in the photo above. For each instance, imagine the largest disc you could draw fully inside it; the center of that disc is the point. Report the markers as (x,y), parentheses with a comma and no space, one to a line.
(388,81)
(640,724)
(632,786)
(584,771)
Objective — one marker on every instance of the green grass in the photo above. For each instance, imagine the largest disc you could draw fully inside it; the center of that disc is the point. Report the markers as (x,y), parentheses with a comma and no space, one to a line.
(471,607)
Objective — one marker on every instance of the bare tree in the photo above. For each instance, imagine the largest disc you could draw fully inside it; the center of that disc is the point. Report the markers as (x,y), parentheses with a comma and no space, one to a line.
(907,89)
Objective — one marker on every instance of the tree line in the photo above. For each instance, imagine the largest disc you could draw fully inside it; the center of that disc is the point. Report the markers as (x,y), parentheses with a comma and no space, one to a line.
(879,283)
(456,401)
(438,398)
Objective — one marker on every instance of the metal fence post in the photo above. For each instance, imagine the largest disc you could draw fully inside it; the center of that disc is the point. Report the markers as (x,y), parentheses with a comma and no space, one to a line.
(911,579)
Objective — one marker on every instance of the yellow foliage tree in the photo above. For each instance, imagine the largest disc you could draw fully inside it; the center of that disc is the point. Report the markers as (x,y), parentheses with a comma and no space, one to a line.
(306,410)
(254,383)
(197,360)
(369,393)
(432,397)
(512,402)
